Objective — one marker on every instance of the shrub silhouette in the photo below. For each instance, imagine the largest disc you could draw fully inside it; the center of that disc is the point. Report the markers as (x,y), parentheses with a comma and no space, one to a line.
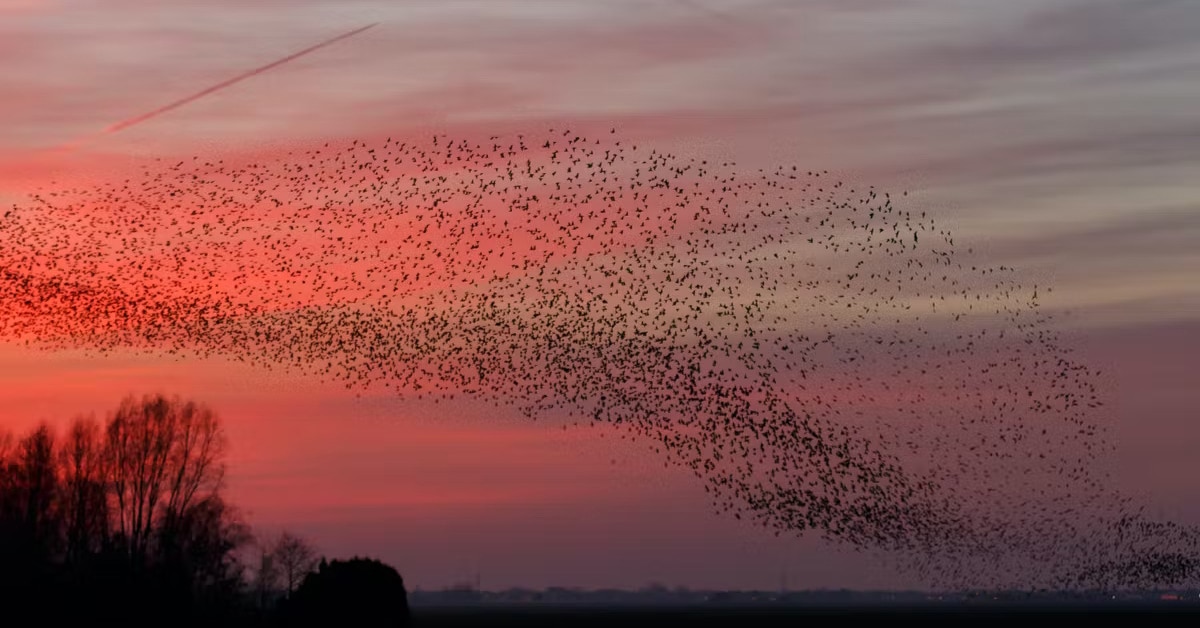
(355,592)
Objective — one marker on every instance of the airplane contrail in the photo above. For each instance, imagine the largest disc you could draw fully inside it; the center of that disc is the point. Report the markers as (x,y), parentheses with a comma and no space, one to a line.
(124,124)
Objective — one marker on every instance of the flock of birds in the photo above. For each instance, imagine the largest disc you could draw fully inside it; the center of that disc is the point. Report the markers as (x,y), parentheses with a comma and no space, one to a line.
(821,357)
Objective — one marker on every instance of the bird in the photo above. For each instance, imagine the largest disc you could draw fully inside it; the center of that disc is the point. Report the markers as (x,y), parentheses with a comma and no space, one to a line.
(782,333)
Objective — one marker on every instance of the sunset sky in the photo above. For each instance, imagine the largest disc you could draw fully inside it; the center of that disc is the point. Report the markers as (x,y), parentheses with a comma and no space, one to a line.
(1061,137)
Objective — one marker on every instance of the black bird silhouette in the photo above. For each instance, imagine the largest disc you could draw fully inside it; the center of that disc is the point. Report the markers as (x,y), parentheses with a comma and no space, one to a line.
(789,338)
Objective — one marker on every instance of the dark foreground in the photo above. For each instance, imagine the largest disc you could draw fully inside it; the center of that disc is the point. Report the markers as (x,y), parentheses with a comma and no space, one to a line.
(627,617)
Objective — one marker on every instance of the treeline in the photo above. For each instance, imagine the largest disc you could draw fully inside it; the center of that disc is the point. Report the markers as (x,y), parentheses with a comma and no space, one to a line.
(125,521)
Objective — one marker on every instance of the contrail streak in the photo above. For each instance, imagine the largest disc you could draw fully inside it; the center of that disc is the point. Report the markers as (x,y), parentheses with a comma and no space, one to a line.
(124,124)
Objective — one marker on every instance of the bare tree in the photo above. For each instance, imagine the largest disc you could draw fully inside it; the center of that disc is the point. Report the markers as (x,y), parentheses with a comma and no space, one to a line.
(163,457)
(139,440)
(195,464)
(8,455)
(209,534)
(7,446)
(146,485)
(267,573)
(84,491)
(36,485)
(10,511)
(295,558)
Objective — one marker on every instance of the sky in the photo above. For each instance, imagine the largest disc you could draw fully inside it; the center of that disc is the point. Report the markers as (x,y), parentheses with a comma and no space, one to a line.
(1060,137)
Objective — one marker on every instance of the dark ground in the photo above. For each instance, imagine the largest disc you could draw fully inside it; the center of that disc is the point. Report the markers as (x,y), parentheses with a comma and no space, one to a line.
(629,617)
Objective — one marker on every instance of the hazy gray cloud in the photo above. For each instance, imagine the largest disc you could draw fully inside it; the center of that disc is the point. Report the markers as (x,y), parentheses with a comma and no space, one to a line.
(1023,122)
(1121,236)
(1075,33)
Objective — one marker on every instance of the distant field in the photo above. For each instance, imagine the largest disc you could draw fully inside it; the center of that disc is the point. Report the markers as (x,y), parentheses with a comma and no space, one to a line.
(627,617)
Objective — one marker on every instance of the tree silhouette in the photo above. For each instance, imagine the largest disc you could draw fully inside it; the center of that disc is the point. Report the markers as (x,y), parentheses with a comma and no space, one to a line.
(163,455)
(123,522)
(126,520)
(84,485)
(295,558)
(266,576)
(355,592)
(29,516)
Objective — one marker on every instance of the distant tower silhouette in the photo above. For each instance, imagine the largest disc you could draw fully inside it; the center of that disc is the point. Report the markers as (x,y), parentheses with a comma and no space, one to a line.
(783,580)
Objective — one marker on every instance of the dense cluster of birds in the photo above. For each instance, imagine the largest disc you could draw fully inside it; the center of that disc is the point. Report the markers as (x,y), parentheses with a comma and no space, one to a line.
(821,357)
